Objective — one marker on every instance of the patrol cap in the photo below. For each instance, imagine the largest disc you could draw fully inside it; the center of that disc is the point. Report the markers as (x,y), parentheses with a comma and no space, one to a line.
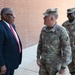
(49,11)
(71,10)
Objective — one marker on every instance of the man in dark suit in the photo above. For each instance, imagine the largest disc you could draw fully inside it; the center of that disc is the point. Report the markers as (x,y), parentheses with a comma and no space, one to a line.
(10,44)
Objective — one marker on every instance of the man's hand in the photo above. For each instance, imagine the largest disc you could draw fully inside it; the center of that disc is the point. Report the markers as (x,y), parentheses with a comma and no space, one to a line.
(38,62)
(61,71)
(3,69)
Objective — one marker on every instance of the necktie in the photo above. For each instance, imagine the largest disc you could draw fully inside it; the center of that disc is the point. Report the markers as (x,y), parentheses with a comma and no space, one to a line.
(16,37)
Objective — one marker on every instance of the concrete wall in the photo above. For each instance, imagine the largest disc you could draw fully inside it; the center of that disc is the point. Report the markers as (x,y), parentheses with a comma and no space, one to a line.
(29,18)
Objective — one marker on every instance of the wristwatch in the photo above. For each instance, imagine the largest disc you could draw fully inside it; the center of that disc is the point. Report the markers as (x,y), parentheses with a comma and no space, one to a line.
(62,67)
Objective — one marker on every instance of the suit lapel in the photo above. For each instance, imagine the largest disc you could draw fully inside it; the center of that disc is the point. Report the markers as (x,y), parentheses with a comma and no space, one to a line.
(8,30)
(10,33)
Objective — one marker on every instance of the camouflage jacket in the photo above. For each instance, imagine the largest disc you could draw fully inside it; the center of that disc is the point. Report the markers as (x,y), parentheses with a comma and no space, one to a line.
(71,31)
(54,45)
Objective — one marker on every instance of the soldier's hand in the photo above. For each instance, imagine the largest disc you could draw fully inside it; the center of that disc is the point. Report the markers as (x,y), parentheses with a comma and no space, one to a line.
(38,62)
(61,71)
(3,69)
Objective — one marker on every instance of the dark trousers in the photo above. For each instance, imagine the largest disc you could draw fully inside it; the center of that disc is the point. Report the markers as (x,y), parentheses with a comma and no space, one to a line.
(9,72)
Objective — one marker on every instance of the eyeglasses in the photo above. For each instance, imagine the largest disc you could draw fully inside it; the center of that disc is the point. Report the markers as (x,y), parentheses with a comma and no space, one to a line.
(9,14)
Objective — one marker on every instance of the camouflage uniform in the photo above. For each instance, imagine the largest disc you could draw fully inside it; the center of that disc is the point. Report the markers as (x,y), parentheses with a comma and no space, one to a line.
(53,49)
(71,31)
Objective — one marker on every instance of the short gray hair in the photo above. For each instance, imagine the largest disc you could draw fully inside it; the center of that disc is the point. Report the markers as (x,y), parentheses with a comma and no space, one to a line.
(55,15)
(3,11)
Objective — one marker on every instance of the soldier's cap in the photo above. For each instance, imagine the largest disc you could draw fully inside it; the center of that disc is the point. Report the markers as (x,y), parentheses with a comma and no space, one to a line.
(49,11)
(70,10)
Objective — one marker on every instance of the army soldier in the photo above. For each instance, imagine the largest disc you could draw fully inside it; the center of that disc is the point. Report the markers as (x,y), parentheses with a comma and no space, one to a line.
(70,26)
(54,51)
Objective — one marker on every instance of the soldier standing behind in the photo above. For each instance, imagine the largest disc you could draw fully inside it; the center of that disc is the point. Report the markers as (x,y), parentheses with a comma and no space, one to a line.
(70,26)
(54,51)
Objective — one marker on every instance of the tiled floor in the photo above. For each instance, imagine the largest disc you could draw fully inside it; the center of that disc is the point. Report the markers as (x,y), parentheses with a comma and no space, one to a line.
(28,66)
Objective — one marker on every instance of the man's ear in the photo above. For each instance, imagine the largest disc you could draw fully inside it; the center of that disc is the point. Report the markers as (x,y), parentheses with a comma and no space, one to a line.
(51,18)
(4,16)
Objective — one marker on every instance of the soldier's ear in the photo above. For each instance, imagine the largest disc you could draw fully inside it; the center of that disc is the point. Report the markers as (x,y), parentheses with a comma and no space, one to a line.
(51,18)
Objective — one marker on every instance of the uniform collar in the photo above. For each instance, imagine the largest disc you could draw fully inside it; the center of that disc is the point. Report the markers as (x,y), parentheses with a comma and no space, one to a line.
(72,23)
(51,29)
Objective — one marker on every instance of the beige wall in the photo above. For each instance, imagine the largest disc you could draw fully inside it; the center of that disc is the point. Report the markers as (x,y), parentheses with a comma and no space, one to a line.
(29,18)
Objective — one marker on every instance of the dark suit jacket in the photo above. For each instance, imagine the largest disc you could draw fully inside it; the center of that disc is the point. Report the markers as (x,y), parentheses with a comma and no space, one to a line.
(9,50)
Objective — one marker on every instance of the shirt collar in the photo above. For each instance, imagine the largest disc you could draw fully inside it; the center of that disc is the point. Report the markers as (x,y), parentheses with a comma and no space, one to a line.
(7,24)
